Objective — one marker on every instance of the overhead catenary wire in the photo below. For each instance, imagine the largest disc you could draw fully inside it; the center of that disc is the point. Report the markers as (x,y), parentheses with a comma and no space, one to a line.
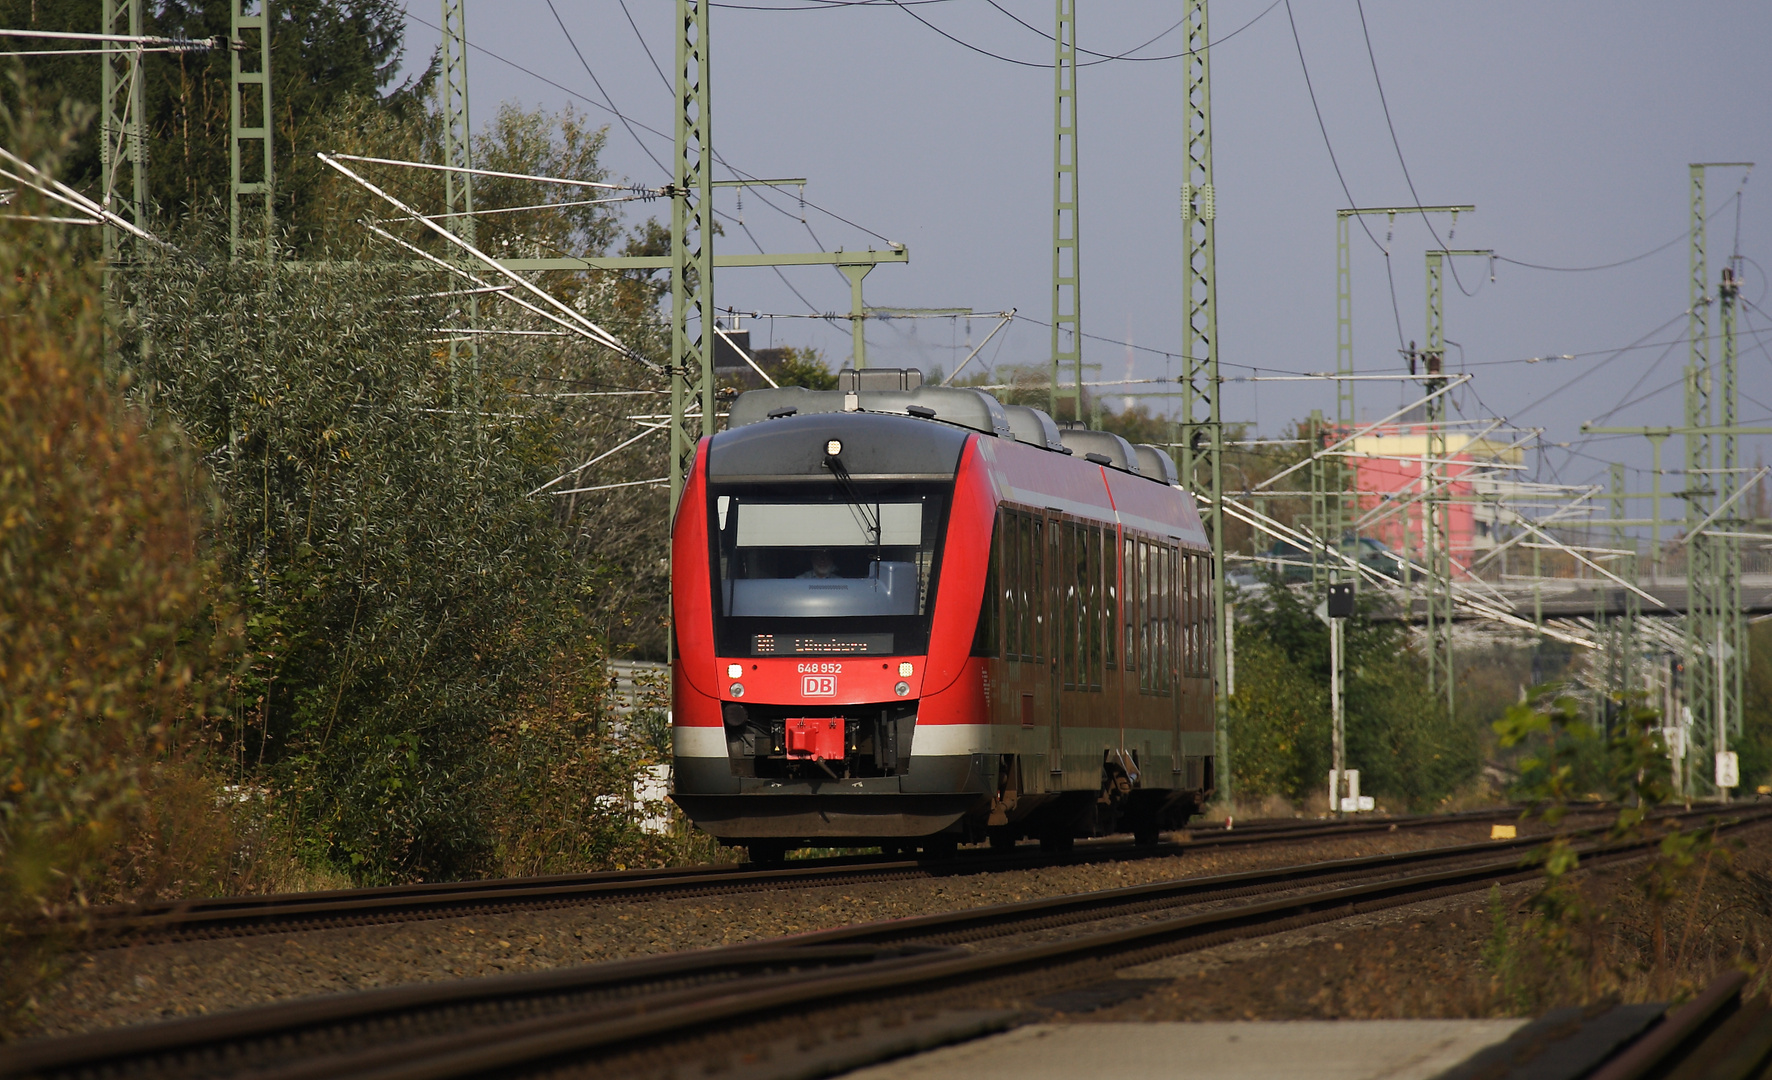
(1101,58)
(560,180)
(584,325)
(630,125)
(593,103)
(1390,125)
(1396,310)
(453,269)
(650,430)
(1683,235)
(598,83)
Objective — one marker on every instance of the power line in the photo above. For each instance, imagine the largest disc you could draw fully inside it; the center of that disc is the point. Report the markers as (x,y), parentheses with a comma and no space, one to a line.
(1103,58)
(568,91)
(1127,54)
(598,83)
(1359,5)
(1396,311)
(645,48)
(822,5)
(1735,198)
(1546,397)
(1603,352)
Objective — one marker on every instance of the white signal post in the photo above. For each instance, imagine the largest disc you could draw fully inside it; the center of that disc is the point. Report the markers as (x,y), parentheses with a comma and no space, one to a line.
(1334,612)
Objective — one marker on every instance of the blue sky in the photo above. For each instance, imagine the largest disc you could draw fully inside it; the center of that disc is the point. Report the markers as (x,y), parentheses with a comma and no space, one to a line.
(1569,125)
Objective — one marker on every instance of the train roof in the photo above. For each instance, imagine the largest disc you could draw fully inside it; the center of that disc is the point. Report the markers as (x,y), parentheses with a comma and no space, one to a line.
(900,392)
(875,446)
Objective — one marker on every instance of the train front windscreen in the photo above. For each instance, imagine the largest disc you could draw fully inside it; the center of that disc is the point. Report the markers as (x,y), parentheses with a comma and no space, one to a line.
(826,569)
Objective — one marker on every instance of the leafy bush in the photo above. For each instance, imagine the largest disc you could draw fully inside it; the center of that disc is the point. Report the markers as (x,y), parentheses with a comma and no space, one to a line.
(1398,735)
(1569,937)
(421,628)
(401,593)
(109,633)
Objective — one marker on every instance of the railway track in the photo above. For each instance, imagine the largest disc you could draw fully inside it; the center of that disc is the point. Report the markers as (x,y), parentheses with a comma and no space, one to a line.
(817,1002)
(280,913)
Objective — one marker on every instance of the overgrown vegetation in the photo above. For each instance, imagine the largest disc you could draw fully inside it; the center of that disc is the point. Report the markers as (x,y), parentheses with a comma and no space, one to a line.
(1571,944)
(330,58)
(1408,750)
(288,599)
(115,625)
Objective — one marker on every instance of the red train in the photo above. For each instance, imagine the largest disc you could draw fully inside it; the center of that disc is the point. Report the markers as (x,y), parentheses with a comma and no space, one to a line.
(913,616)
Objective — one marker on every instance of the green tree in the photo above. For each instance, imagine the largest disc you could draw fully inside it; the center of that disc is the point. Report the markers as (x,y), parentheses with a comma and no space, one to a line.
(803,366)
(1398,735)
(324,55)
(428,621)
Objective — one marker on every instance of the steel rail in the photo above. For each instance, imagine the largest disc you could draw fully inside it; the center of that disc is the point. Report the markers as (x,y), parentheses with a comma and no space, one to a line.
(281,912)
(939,977)
(885,950)
(180,1047)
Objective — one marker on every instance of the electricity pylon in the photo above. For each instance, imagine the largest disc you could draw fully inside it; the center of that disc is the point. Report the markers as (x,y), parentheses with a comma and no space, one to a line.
(249,129)
(692,240)
(1715,643)
(1329,513)
(1067,301)
(458,187)
(1436,527)
(122,146)
(1715,634)
(1617,632)
(1202,426)
(692,260)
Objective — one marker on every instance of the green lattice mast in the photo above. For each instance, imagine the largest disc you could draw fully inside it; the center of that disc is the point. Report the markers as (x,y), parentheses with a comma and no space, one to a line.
(1067,317)
(1202,429)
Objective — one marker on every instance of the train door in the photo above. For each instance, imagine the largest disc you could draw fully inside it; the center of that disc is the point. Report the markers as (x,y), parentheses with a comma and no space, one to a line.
(1188,599)
(1053,596)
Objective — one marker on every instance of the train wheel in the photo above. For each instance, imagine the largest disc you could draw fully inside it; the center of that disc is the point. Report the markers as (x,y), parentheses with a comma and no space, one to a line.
(1146,835)
(1002,840)
(767,852)
(1057,843)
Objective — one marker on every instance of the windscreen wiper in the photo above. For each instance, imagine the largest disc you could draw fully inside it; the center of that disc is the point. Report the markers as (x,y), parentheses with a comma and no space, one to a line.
(857,506)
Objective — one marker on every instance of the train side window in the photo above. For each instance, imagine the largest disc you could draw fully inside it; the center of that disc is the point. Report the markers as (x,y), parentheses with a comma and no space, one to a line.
(1092,604)
(984,639)
(1110,597)
(1195,596)
(1143,618)
(1031,605)
(1038,591)
(1187,613)
(1067,606)
(1166,633)
(1128,631)
(1099,623)
(1009,580)
(1202,617)
(1202,608)
(1158,590)
(1175,628)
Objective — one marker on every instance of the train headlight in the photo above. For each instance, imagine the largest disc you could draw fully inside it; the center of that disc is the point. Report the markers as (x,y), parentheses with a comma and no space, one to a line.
(738,689)
(833,448)
(903,689)
(904,670)
(733,671)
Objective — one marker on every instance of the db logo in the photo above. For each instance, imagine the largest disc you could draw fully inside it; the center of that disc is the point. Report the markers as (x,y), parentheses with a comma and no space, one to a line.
(819,686)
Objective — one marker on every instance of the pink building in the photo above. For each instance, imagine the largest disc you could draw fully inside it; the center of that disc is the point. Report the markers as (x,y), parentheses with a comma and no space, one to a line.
(1389,465)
